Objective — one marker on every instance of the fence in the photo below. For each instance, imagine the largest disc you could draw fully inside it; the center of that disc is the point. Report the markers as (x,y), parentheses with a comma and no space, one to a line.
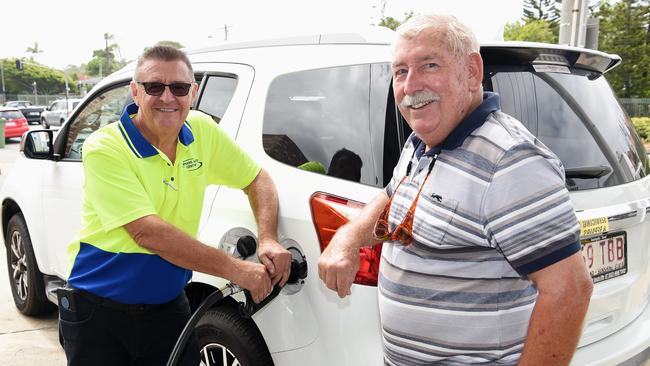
(39,99)
(636,107)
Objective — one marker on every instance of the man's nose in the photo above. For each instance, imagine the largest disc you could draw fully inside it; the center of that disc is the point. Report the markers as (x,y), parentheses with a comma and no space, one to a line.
(413,82)
(167,95)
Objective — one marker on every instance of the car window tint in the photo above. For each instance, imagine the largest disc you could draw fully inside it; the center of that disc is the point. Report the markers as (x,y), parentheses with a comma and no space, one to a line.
(318,120)
(560,109)
(11,114)
(386,123)
(216,96)
(103,109)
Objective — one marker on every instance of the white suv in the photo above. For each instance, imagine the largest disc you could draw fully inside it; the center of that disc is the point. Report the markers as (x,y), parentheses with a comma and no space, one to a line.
(318,113)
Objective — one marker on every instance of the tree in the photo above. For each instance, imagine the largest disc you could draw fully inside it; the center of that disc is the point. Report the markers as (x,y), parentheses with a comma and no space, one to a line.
(532,31)
(170,44)
(34,51)
(546,10)
(104,61)
(48,81)
(624,31)
(392,23)
(542,10)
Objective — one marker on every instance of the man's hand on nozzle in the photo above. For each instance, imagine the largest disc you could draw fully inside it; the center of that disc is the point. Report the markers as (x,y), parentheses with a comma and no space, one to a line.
(338,265)
(276,259)
(254,278)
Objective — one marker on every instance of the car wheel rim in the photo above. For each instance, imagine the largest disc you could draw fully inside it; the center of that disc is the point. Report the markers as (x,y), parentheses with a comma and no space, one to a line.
(19,265)
(214,354)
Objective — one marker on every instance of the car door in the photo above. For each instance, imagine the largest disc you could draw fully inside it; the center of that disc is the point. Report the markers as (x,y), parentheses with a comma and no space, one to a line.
(62,189)
(49,112)
(311,130)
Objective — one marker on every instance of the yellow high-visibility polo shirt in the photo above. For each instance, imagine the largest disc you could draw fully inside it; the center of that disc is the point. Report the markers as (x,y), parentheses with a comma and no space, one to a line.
(127,178)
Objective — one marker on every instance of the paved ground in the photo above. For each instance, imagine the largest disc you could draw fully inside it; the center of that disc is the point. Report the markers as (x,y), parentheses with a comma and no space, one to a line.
(23,340)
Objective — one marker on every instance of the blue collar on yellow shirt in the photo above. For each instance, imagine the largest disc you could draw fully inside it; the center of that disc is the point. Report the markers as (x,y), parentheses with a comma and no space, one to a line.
(135,140)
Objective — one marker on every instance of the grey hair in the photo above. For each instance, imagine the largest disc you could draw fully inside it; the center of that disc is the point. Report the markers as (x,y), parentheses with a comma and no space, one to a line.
(163,53)
(460,38)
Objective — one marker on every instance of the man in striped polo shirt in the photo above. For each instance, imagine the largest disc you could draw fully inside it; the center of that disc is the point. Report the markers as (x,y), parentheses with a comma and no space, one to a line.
(481,260)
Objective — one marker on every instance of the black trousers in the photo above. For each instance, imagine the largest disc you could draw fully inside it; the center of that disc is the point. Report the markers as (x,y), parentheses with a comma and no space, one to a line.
(97,331)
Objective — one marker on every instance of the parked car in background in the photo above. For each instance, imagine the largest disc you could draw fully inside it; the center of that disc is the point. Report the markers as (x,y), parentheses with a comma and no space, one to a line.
(30,111)
(302,101)
(58,112)
(15,124)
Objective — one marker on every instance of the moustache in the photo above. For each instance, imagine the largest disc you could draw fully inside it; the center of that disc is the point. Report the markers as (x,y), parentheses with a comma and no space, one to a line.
(425,96)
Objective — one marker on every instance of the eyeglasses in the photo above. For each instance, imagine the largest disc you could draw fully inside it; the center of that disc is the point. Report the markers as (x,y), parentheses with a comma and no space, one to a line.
(404,231)
(156,89)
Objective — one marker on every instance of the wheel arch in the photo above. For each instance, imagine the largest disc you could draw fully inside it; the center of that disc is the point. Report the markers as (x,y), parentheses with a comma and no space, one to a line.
(9,209)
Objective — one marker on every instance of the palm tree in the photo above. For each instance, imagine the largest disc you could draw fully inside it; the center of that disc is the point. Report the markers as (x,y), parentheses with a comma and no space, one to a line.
(34,51)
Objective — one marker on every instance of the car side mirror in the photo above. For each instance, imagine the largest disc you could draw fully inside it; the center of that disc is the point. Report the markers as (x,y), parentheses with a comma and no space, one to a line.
(37,144)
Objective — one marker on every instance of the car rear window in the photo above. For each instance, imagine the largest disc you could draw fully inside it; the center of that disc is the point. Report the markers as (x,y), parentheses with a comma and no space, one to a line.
(581,121)
(11,114)
(319,120)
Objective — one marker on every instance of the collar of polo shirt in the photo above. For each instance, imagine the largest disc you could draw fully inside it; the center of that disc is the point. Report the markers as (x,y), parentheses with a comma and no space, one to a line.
(473,121)
(136,141)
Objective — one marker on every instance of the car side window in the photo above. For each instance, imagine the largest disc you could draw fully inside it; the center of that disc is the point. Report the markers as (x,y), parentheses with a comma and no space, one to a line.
(319,120)
(103,109)
(216,95)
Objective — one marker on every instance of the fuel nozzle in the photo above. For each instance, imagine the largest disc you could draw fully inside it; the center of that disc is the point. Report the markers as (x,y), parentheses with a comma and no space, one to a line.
(246,246)
(298,266)
(294,283)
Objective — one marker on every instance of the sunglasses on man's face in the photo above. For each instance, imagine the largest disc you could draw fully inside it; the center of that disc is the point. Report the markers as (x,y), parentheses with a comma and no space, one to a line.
(156,89)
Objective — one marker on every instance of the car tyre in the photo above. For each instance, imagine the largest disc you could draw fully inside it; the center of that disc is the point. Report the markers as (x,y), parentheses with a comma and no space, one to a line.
(44,123)
(225,336)
(27,285)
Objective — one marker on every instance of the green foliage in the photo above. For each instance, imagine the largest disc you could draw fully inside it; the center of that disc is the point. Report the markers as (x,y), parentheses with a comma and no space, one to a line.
(392,23)
(642,126)
(48,81)
(34,51)
(624,31)
(170,43)
(548,10)
(532,31)
(104,61)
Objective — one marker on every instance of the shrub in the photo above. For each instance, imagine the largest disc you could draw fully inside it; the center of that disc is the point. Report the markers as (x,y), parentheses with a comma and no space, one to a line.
(642,126)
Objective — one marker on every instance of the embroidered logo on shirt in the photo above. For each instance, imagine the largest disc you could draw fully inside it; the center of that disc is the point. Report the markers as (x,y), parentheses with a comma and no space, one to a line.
(192,164)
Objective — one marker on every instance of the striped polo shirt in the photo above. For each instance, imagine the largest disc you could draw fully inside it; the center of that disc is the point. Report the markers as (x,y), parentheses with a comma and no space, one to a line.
(494,209)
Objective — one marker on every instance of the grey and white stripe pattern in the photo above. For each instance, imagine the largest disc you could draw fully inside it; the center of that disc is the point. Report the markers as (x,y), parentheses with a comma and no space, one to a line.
(494,209)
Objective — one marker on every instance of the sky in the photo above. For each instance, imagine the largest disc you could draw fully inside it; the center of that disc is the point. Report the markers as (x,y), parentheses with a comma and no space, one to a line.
(68,31)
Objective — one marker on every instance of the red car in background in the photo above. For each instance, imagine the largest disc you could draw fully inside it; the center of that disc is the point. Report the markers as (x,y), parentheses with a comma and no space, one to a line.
(15,123)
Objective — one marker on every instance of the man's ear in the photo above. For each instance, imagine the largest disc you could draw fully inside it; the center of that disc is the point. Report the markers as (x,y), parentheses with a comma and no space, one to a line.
(134,91)
(475,70)
(195,90)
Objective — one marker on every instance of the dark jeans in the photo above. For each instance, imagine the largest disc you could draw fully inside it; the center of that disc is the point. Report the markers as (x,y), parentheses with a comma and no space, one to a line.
(97,331)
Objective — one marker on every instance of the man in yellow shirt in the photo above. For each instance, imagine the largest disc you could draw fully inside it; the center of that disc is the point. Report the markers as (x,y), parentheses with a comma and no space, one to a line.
(144,181)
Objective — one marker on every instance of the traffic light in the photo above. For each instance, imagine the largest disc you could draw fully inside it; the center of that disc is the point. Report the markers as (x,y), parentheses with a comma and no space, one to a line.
(19,64)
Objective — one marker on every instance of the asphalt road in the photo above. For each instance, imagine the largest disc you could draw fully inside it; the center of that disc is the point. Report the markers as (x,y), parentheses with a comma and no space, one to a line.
(23,340)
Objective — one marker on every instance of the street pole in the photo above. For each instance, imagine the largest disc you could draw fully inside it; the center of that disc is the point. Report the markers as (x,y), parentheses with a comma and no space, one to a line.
(35,93)
(67,92)
(2,76)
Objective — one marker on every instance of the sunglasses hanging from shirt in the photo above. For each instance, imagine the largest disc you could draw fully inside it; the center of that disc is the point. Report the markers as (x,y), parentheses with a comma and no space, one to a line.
(404,231)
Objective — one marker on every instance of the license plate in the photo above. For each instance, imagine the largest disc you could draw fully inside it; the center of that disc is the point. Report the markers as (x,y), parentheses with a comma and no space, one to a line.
(33,113)
(605,255)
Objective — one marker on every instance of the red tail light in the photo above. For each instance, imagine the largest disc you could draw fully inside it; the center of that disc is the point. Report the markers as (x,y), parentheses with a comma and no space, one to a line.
(331,212)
